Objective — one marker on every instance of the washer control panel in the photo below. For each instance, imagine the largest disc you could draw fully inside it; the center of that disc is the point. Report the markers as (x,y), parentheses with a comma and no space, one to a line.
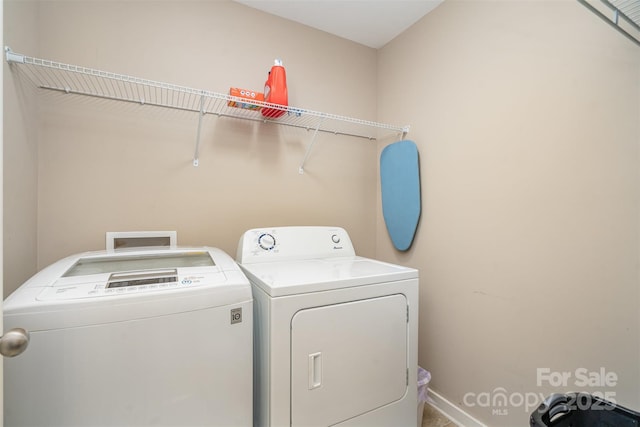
(102,286)
(287,243)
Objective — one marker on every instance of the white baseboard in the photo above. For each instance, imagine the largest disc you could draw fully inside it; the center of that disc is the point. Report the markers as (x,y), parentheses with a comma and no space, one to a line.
(451,411)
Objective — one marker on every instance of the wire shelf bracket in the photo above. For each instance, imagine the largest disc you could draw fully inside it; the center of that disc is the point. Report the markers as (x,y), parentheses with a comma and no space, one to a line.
(78,80)
(309,147)
(196,155)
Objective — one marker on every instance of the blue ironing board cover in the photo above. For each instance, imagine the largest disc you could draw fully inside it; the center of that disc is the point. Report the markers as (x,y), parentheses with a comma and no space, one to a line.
(400,186)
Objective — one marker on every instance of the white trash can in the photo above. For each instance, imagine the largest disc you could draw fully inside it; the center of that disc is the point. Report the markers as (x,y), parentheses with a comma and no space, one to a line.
(424,377)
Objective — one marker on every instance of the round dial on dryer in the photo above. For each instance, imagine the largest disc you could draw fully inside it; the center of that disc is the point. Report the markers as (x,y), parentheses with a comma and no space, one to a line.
(266,241)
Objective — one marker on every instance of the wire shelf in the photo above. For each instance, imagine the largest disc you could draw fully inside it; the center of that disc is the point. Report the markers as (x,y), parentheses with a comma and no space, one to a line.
(622,15)
(74,79)
(630,8)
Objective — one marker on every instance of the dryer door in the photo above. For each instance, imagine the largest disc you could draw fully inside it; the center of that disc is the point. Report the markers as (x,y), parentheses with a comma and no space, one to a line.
(347,359)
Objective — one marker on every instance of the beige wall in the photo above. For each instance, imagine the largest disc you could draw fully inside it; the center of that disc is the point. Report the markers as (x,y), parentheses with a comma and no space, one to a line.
(20,151)
(526,117)
(104,166)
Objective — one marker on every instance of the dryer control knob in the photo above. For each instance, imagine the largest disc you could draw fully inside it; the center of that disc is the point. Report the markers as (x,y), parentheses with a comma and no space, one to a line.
(266,241)
(335,238)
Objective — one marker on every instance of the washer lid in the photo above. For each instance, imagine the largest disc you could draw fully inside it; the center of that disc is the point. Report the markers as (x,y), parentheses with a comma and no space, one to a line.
(315,275)
(98,287)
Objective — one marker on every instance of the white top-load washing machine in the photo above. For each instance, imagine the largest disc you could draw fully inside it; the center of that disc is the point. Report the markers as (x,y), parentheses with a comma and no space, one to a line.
(335,334)
(158,336)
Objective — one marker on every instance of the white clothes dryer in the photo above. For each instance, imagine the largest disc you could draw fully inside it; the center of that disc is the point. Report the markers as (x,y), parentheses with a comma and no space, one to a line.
(138,338)
(335,334)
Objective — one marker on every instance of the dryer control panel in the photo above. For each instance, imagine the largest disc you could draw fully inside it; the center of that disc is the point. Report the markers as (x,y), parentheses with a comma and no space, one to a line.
(291,243)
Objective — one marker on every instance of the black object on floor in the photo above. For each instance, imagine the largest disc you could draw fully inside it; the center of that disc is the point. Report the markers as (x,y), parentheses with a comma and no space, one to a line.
(582,410)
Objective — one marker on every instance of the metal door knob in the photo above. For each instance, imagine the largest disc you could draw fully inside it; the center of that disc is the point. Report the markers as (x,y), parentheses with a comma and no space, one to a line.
(14,342)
